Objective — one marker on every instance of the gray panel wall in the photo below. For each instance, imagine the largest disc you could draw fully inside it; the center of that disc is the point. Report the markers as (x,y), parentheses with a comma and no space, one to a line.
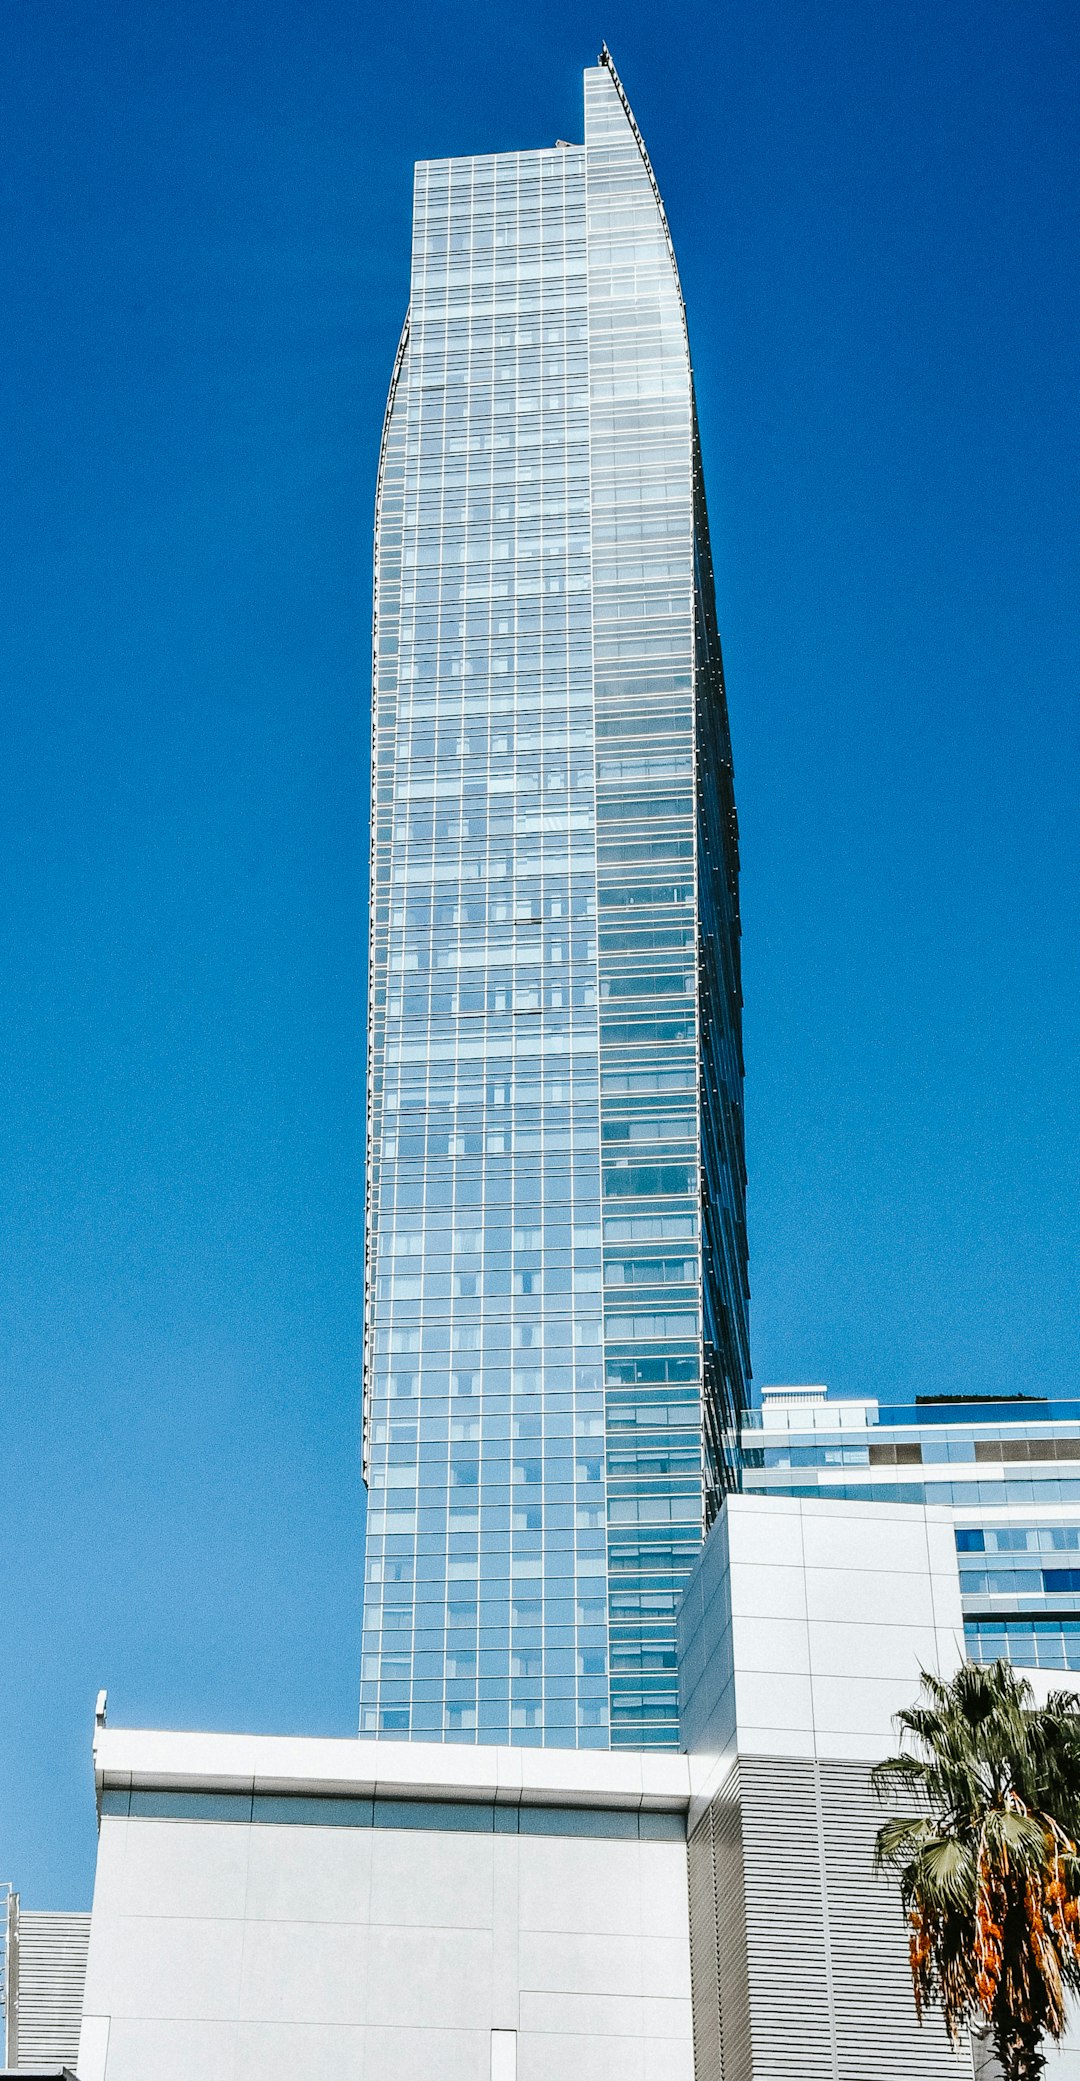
(799,1949)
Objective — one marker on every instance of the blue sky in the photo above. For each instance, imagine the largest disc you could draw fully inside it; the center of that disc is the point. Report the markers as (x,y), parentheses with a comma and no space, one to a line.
(205,223)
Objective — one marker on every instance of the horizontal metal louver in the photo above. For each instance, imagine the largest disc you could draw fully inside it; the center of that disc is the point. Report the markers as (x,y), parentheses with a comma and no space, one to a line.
(704,1952)
(798,1947)
(50,1975)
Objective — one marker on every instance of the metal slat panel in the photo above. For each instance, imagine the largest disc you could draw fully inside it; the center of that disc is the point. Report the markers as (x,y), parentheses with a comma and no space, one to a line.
(876,2027)
(705,1953)
(732,1933)
(51,1974)
(798,1947)
(787,1950)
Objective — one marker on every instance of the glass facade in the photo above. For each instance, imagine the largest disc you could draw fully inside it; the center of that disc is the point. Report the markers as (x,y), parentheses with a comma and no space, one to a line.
(1003,1469)
(556,1358)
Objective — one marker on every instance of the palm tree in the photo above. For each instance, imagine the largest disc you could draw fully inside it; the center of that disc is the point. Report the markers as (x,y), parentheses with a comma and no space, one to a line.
(988,1863)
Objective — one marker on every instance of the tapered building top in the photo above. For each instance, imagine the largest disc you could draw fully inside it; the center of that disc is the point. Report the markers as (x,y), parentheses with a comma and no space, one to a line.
(555,1311)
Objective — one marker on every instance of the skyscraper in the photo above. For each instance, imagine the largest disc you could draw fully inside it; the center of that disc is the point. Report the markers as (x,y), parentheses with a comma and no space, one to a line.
(556,1355)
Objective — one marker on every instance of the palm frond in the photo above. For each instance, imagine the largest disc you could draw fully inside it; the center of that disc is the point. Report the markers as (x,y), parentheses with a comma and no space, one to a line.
(988,1862)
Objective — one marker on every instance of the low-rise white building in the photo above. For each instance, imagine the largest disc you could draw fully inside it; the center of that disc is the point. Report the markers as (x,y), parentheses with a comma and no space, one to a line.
(380,1911)
(324,1910)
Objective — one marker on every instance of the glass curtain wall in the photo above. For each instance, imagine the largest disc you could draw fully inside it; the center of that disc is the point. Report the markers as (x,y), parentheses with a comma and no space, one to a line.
(537,1449)
(1008,1468)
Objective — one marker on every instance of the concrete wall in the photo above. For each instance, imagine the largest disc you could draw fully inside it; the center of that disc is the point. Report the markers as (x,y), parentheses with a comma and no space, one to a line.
(805,1626)
(235,1950)
(803,1630)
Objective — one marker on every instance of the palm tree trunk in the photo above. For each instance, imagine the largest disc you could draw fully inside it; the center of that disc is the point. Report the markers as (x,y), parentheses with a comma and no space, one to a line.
(1016,2043)
(985,2063)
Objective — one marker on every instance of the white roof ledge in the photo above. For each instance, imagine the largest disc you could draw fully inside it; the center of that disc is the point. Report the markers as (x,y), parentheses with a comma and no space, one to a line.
(156,1760)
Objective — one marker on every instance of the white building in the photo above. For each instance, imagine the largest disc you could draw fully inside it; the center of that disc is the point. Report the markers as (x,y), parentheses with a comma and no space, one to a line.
(323,1910)
(380,1911)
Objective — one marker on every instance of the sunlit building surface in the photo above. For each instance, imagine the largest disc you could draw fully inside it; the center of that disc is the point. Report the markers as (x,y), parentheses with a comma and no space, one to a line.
(556,1357)
(1008,1467)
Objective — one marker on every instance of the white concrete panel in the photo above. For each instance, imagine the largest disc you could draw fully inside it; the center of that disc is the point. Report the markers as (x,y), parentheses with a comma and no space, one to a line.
(298,2052)
(111,1858)
(434,1877)
(93,2047)
(304,1972)
(161,1966)
(171,2050)
(861,1705)
(941,1543)
(546,2056)
(762,1739)
(665,1966)
(592,2015)
(768,1593)
(871,1597)
(418,1975)
(843,1746)
(187,1868)
(666,2059)
(612,2016)
(549,1962)
(653,1965)
(879,1651)
(662,1890)
(867,1573)
(772,1645)
(429,2055)
(573,1884)
(670,2020)
(304,1874)
(765,1533)
(948,1610)
(855,1537)
(766,1700)
(505,1962)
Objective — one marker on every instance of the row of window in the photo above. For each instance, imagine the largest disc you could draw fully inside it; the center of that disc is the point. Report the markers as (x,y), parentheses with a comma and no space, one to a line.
(527,1726)
(1015,1582)
(539,849)
(852,1451)
(498,1657)
(1032,1643)
(464,1631)
(477,1817)
(500,1274)
(962,1495)
(463,1607)
(1019,1539)
(440,340)
(554,1238)
(416,1087)
(460,1395)
(558,1516)
(430,1284)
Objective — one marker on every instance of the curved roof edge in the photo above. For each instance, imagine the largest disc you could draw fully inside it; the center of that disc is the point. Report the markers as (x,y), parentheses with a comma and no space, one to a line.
(607,61)
(390,396)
